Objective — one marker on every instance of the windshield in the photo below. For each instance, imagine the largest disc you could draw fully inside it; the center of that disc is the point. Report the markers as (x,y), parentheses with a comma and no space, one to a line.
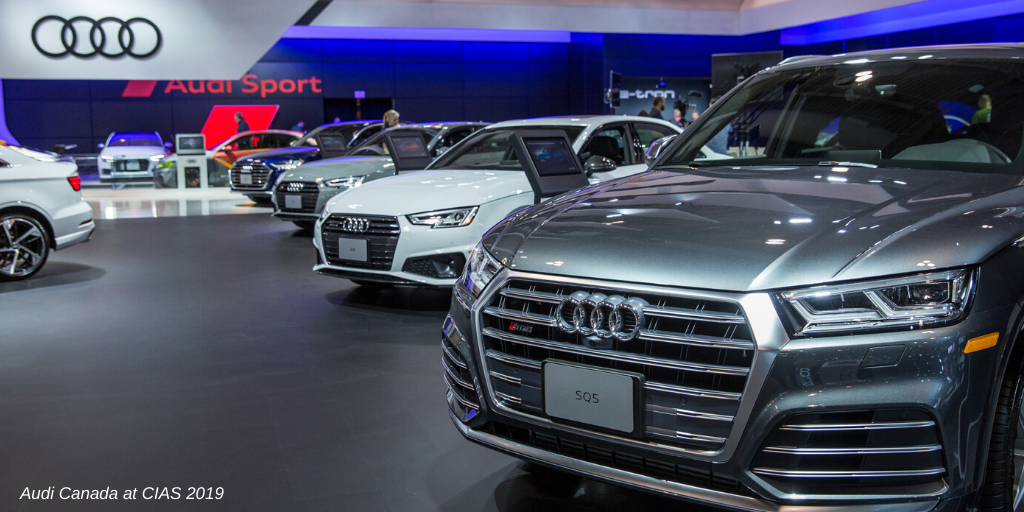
(344,131)
(947,114)
(492,150)
(374,146)
(135,139)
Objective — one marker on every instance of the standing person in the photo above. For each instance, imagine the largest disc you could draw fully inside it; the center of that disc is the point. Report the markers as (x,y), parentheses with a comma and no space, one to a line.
(299,127)
(643,113)
(659,105)
(242,125)
(391,118)
(677,118)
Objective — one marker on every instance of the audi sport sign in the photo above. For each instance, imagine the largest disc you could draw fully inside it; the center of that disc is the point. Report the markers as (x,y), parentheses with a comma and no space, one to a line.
(151,40)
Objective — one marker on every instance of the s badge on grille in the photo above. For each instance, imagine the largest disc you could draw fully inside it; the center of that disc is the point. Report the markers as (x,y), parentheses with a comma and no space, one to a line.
(518,327)
(355,225)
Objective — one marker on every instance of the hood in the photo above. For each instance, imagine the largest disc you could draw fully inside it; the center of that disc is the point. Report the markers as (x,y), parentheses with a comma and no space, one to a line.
(747,229)
(276,155)
(132,151)
(422,191)
(373,167)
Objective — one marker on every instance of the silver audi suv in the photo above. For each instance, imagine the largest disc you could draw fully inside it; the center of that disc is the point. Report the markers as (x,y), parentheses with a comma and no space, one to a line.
(829,320)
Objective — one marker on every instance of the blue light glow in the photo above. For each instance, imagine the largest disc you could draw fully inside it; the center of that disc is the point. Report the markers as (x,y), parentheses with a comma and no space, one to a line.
(428,34)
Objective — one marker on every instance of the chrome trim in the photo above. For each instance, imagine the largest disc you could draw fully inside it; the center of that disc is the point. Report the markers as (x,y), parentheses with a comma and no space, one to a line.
(695,340)
(458,380)
(516,293)
(508,398)
(507,378)
(792,450)
(840,427)
(613,354)
(682,390)
(463,401)
(685,436)
(692,314)
(519,316)
(705,496)
(783,473)
(766,329)
(688,414)
(455,360)
(513,360)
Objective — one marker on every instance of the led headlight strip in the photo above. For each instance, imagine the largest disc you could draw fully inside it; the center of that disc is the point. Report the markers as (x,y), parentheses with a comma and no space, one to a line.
(936,298)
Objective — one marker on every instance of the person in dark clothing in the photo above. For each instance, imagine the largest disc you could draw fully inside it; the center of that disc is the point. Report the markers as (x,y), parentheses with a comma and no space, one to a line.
(242,125)
(299,127)
(659,105)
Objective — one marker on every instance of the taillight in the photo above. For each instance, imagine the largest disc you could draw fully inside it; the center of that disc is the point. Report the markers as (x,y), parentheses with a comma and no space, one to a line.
(76,182)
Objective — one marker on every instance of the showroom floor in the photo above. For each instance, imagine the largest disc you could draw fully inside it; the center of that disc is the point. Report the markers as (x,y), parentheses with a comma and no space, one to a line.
(138,203)
(202,351)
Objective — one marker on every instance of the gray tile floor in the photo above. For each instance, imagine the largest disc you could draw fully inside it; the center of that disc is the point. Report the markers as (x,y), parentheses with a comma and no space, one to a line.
(179,352)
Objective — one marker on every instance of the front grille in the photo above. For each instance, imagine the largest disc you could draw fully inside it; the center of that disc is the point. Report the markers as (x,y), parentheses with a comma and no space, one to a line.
(260,173)
(691,472)
(381,240)
(309,192)
(121,166)
(888,451)
(694,354)
(457,375)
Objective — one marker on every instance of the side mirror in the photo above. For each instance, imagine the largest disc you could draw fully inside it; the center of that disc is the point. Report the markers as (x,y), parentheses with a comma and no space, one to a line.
(99,146)
(168,145)
(441,150)
(654,150)
(598,163)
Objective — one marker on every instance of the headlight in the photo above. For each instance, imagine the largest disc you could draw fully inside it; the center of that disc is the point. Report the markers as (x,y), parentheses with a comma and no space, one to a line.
(165,164)
(349,182)
(156,158)
(480,269)
(453,218)
(924,300)
(107,158)
(286,165)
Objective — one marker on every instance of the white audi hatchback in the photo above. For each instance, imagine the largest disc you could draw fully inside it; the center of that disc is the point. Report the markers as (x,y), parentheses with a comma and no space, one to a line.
(41,208)
(418,228)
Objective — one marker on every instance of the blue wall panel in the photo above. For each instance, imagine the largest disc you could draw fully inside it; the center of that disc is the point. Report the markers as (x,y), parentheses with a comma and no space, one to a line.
(428,51)
(340,50)
(413,79)
(496,80)
(496,52)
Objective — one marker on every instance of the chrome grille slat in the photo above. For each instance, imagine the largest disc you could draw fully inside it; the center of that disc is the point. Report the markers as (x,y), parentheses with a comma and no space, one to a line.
(701,341)
(520,316)
(615,355)
(792,450)
(692,314)
(455,359)
(458,380)
(848,474)
(833,427)
(463,401)
(694,351)
(260,176)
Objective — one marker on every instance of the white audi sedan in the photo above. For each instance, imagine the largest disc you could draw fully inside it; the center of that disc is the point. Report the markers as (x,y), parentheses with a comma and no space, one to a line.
(41,208)
(418,228)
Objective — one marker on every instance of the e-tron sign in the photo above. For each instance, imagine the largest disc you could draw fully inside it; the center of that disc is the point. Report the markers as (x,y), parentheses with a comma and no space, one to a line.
(85,37)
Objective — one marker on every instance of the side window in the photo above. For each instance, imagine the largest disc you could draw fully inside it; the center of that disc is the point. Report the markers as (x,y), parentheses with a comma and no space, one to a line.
(650,132)
(609,143)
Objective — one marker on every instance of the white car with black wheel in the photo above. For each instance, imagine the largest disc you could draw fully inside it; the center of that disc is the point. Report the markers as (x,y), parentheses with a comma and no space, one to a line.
(418,228)
(41,208)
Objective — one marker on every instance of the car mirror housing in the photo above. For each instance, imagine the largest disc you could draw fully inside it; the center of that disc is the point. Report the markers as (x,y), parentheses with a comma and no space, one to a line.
(598,163)
(656,147)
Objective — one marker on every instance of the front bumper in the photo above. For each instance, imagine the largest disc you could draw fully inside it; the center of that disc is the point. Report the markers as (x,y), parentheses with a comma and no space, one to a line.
(932,377)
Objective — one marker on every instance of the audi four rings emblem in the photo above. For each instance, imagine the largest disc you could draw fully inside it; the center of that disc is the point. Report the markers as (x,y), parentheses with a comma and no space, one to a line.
(121,37)
(294,187)
(606,316)
(355,225)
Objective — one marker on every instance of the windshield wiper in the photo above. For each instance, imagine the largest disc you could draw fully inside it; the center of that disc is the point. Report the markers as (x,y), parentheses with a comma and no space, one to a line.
(847,164)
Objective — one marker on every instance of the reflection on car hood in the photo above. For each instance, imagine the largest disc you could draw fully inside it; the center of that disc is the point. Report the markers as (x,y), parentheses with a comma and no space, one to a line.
(343,167)
(420,191)
(756,229)
(275,155)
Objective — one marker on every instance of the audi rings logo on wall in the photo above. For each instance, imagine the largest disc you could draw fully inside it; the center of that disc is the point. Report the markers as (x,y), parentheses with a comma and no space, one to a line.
(85,37)
(596,314)
(355,225)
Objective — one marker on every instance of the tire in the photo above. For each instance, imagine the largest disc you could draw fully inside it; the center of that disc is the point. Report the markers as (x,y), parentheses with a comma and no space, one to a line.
(1000,491)
(370,285)
(24,246)
(305,225)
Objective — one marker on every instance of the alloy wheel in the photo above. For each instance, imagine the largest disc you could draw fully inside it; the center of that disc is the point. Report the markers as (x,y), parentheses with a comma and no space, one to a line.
(23,247)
